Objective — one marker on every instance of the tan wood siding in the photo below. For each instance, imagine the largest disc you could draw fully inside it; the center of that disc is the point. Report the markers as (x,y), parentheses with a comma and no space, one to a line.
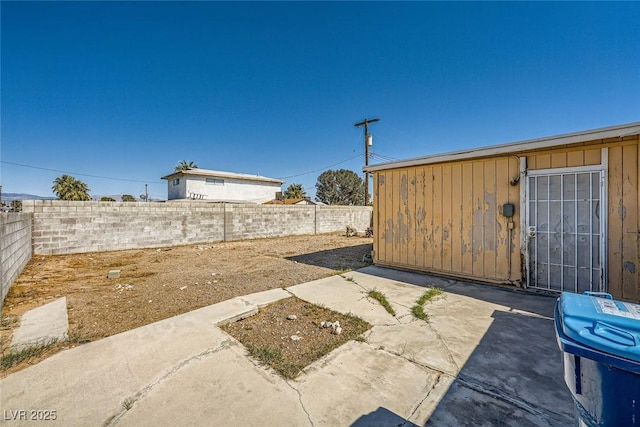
(420,218)
(411,217)
(624,226)
(448,217)
(455,227)
(467,223)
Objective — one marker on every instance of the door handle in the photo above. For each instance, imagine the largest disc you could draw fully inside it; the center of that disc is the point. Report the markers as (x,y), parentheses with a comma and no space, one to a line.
(531,231)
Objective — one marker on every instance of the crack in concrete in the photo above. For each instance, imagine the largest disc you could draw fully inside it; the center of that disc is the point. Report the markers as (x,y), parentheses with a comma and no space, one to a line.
(130,401)
(444,343)
(411,359)
(435,384)
(301,402)
(495,393)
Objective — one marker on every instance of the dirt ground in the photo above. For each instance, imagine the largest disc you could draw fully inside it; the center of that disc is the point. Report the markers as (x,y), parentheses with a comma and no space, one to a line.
(155,284)
(291,334)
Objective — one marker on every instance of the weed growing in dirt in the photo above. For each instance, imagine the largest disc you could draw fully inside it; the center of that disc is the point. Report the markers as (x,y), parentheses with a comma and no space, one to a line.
(272,356)
(379,296)
(15,357)
(289,345)
(8,321)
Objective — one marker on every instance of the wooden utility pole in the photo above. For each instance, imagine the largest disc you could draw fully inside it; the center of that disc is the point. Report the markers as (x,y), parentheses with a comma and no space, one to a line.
(365,123)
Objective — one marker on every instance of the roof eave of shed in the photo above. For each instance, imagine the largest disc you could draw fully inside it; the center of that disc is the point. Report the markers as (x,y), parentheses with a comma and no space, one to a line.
(531,144)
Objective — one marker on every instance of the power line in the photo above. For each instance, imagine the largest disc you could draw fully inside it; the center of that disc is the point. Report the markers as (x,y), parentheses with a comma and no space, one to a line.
(382,156)
(79,174)
(321,169)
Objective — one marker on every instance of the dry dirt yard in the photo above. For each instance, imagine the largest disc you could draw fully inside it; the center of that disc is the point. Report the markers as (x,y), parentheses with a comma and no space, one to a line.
(156,284)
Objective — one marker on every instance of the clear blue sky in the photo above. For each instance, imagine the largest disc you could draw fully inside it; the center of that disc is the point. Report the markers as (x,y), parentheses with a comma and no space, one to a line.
(128,89)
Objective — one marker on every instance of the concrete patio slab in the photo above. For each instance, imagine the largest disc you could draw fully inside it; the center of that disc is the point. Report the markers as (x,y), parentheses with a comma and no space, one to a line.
(357,379)
(408,341)
(262,299)
(43,325)
(344,296)
(89,384)
(219,388)
(487,356)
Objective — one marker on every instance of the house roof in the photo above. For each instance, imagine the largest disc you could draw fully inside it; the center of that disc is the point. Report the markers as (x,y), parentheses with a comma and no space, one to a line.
(531,144)
(222,174)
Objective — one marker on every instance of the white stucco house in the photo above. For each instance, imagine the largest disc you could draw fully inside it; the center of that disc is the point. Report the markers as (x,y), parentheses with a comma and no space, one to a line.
(219,186)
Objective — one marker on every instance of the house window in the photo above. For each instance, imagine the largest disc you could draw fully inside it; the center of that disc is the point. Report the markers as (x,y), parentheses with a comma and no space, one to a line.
(176,181)
(215,181)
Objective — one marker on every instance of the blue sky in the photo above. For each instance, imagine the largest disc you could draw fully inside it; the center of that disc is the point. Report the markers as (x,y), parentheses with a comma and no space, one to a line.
(128,89)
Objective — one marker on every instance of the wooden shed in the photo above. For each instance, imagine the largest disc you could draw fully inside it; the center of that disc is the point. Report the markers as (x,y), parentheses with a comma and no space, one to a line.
(557,213)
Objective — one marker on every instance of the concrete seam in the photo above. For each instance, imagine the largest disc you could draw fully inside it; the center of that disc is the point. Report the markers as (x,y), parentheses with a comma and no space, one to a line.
(112,421)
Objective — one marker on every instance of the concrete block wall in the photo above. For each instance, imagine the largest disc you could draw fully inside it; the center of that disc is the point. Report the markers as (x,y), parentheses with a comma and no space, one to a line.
(64,227)
(332,218)
(260,221)
(15,247)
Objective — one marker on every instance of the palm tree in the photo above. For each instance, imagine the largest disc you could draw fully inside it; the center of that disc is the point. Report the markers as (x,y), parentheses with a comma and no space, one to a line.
(67,187)
(184,165)
(295,191)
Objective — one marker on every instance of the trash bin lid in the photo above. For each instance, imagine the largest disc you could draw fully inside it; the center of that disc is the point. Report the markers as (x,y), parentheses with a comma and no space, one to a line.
(598,321)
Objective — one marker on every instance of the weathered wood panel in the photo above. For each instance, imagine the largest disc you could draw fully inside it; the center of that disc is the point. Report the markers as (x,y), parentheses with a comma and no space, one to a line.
(388,223)
(592,157)
(455,225)
(614,229)
(503,174)
(397,224)
(428,208)
(447,217)
(490,217)
(575,158)
(467,219)
(421,215)
(543,161)
(437,217)
(379,216)
(558,160)
(447,189)
(477,226)
(514,197)
(411,217)
(630,229)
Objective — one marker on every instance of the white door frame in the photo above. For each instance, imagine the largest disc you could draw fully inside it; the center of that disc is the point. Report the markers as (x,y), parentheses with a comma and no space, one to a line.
(524,209)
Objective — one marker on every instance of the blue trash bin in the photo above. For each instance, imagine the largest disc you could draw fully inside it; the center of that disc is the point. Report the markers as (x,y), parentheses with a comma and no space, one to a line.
(600,341)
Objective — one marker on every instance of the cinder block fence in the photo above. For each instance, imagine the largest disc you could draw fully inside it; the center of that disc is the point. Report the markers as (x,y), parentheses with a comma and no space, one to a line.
(52,227)
(62,227)
(15,247)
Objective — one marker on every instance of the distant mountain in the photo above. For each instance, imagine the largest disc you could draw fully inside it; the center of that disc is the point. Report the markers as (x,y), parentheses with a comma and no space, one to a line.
(7,197)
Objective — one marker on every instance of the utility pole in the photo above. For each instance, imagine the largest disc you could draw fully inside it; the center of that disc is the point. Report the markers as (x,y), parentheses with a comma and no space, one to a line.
(146,193)
(365,123)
